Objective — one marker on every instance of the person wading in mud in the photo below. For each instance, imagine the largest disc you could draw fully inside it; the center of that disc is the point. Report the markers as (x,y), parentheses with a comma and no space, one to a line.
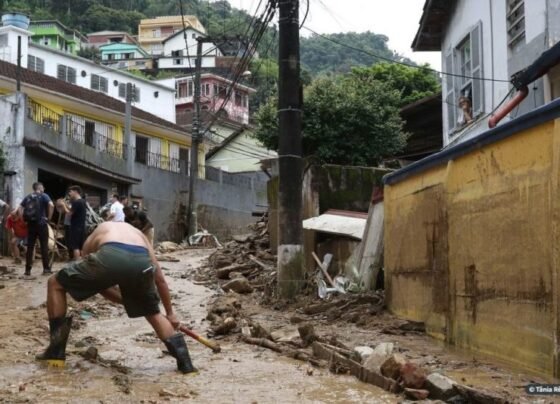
(114,254)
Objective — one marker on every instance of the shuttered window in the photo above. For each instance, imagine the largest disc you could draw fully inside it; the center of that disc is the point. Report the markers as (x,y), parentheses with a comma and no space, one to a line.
(36,64)
(66,73)
(464,61)
(515,22)
(99,83)
(135,92)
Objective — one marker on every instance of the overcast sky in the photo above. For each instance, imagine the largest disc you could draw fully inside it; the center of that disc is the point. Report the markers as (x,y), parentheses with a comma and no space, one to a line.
(397,19)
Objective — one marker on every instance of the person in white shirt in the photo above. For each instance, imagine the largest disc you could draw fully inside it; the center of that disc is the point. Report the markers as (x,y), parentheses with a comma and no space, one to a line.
(116,213)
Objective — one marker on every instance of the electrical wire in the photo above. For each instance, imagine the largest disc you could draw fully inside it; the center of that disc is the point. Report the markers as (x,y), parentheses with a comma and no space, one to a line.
(403,63)
(305,16)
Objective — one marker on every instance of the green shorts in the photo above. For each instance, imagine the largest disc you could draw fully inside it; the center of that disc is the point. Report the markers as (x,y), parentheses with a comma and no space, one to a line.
(127,266)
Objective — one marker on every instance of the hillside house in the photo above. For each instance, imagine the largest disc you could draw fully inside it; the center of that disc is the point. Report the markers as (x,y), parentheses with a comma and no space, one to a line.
(483,43)
(153,31)
(54,34)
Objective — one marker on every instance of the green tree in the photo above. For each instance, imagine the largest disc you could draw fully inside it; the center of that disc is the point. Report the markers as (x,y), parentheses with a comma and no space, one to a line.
(413,83)
(347,120)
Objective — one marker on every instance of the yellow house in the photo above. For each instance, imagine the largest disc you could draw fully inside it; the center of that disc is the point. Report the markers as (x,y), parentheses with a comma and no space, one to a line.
(153,31)
(472,242)
(62,134)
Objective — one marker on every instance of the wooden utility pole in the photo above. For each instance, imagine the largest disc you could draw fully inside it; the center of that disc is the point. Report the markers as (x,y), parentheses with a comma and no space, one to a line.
(290,232)
(192,223)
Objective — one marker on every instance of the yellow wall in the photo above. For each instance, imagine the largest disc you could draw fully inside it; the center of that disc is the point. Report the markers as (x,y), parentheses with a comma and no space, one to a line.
(472,248)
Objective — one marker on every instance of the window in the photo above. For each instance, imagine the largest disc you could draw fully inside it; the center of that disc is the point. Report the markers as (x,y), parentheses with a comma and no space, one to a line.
(46,41)
(99,83)
(36,64)
(464,92)
(238,99)
(66,73)
(156,33)
(157,49)
(205,89)
(135,92)
(193,36)
(141,150)
(515,22)
(3,40)
(184,160)
(178,55)
(245,100)
(128,55)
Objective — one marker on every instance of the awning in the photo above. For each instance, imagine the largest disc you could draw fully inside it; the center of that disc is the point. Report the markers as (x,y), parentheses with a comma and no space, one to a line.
(338,222)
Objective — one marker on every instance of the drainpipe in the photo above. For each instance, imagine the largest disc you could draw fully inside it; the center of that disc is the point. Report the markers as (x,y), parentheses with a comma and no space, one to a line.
(508,107)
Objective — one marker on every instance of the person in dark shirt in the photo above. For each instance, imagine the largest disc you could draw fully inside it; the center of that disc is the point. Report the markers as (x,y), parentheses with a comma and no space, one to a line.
(77,212)
(37,209)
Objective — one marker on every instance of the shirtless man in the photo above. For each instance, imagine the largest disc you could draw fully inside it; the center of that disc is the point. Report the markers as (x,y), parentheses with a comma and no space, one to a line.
(114,254)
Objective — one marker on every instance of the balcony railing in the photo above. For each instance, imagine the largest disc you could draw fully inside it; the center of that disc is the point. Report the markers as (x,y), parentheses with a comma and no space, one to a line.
(44,116)
(87,135)
(160,161)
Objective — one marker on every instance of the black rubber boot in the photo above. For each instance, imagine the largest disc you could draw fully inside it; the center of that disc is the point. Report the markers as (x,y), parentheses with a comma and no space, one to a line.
(177,347)
(55,354)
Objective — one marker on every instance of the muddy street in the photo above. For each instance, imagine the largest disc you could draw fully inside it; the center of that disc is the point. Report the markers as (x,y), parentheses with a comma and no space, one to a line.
(132,366)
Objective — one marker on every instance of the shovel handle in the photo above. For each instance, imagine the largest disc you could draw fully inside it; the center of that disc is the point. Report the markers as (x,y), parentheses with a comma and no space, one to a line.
(323,270)
(210,344)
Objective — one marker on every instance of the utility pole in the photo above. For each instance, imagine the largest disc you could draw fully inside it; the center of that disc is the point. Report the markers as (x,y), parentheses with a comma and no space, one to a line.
(192,224)
(18,71)
(127,154)
(290,232)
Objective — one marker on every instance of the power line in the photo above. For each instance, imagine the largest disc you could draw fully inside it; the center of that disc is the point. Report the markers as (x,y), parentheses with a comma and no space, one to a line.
(403,63)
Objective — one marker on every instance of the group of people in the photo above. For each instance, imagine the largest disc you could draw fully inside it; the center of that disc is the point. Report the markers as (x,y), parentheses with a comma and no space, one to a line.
(116,260)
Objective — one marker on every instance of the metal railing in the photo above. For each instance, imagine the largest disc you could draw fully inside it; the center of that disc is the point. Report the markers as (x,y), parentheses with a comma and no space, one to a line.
(44,116)
(111,146)
(159,161)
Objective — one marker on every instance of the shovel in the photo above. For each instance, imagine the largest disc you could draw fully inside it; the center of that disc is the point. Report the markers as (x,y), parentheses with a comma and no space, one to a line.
(210,344)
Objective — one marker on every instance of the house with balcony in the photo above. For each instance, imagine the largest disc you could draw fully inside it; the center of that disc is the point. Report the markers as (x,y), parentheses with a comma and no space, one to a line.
(54,34)
(483,45)
(128,56)
(61,134)
(97,39)
(149,95)
(217,97)
(153,31)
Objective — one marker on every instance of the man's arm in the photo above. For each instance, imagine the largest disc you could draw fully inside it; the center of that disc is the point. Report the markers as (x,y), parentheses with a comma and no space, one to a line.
(162,287)
(50,210)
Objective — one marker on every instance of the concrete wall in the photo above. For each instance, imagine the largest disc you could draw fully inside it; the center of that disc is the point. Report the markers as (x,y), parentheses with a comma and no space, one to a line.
(471,246)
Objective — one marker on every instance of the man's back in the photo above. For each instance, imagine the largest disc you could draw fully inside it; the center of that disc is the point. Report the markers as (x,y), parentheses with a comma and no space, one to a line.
(115,232)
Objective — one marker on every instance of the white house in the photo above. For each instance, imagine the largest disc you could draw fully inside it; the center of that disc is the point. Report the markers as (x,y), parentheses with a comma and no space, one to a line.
(483,43)
(149,96)
(180,55)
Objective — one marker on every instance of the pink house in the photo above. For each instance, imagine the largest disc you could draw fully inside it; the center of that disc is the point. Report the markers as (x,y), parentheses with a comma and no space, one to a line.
(213,91)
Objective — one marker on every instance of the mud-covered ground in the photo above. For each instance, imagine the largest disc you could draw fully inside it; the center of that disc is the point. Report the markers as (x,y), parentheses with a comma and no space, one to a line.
(133,367)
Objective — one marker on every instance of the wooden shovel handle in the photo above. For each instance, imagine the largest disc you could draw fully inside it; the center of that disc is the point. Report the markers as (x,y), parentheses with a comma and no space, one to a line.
(323,270)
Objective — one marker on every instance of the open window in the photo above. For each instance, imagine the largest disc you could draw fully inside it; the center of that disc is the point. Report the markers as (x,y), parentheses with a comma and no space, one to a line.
(464,90)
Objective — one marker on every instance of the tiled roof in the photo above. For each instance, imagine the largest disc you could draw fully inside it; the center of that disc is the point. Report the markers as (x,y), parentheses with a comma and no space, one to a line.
(80,93)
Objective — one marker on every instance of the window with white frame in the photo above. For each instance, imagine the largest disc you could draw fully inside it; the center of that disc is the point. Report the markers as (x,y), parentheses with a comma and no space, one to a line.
(515,22)
(36,64)
(464,88)
(157,49)
(99,83)
(156,33)
(66,73)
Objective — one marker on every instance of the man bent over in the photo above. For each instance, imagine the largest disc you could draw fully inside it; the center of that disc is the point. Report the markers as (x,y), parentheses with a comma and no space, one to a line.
(114,254)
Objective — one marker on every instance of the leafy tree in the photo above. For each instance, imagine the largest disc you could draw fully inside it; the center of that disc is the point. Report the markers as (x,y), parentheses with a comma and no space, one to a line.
(348,120)
(91,53)
(320,55)
(413,83)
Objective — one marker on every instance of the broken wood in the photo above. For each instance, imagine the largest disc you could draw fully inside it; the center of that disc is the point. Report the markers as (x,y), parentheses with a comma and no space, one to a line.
(262,342)
(259,263)
(323,269)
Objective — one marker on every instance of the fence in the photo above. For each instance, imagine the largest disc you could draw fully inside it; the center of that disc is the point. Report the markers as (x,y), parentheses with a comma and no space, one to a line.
(44,116)
(157,160)
(242,180)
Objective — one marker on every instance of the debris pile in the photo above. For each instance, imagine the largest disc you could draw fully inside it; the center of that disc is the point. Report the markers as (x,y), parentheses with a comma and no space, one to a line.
(244,264)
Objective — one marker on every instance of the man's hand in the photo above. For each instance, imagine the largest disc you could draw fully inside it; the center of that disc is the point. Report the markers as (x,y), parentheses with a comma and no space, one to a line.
(173,320)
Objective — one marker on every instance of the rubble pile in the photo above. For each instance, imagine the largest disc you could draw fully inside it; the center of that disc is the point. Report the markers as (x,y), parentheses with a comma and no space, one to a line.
(245,264)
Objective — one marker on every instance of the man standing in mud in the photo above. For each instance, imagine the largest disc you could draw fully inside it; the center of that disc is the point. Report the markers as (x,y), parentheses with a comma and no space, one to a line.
(114,254)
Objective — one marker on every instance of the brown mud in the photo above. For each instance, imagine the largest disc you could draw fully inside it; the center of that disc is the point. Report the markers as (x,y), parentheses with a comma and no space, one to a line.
(132,367)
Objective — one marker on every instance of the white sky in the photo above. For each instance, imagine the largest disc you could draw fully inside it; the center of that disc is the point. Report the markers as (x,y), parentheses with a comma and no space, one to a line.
(397,19)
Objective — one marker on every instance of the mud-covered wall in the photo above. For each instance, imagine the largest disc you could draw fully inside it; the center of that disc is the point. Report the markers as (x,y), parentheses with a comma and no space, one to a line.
(472,248)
